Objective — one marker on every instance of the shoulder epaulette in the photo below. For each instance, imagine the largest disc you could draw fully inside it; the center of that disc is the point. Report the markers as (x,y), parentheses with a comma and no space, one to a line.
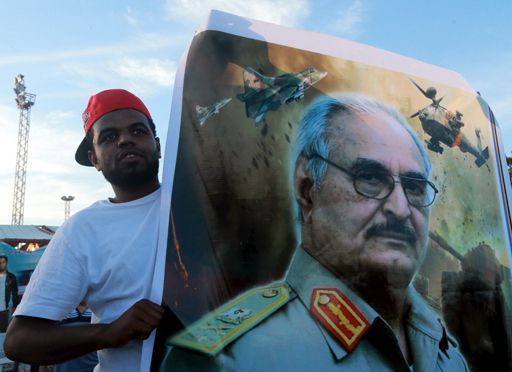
(222,326)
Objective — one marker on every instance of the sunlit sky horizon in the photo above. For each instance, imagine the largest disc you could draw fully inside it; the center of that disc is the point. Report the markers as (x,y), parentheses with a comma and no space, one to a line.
(70,50)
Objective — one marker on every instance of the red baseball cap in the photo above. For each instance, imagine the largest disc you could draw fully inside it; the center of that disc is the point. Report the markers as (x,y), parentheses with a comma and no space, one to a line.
(101,104)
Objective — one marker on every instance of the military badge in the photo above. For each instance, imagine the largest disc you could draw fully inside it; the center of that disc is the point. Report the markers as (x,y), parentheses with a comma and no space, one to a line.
(224,325)
(340,316)
(236,315)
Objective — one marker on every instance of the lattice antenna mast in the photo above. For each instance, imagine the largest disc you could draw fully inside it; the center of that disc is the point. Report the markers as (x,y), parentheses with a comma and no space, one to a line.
(67,205)
(24,101)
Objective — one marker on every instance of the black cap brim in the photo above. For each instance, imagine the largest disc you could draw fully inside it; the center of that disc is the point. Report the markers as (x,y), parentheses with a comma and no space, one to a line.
(82,153)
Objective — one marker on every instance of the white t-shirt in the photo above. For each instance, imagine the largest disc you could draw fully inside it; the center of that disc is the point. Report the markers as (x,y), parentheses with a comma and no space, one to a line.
(104,254)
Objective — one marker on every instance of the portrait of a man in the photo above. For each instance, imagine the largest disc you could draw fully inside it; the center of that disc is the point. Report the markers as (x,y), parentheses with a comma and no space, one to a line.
(361,183)
(342,216)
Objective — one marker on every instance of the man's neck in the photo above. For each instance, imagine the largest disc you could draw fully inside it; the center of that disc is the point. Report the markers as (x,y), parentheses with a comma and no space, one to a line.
(391,305)
(124,194)
(388,302)
(385,293)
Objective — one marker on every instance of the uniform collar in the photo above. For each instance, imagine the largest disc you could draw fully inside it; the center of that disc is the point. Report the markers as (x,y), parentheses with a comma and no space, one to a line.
(427,336)
(422,317)
(306,273)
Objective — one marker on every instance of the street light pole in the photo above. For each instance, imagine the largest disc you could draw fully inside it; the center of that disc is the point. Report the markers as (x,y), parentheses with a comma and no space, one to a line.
(67,203)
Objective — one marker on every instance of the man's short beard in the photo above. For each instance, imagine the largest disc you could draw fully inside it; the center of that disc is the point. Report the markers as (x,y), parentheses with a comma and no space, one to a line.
(131,178)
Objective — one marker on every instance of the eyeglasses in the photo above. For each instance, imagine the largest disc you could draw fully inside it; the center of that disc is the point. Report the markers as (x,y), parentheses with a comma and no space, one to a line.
(379,185)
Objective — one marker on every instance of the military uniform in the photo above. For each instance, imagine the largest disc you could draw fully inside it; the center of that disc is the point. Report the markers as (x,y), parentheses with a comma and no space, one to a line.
(292,338)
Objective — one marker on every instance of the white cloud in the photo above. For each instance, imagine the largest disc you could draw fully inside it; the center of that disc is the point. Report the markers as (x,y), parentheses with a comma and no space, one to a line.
(9,125)
(43,204)
(130,17)
(51,136)
(51,169)
(143,76)
(49,173)
(493,79)
(282,12)
(146,75)
(9,117)
(81,69)
(349,20)
(142,42)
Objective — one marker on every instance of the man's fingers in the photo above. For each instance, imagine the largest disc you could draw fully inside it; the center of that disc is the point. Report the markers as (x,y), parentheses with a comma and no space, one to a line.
(149,307)
(142,330)
(148,318)
(136,323)
(148,312)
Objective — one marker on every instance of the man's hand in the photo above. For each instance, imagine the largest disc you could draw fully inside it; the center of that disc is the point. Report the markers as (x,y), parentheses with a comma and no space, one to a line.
(136,323)
(42,341)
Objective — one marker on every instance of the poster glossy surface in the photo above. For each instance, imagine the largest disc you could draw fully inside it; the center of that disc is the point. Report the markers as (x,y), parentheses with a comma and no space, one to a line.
(331,206)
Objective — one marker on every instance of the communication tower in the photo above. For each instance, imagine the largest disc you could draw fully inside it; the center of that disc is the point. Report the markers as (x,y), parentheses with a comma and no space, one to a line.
(25,101)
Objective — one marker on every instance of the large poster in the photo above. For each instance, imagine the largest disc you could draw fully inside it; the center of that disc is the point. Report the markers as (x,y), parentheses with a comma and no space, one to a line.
(331,206)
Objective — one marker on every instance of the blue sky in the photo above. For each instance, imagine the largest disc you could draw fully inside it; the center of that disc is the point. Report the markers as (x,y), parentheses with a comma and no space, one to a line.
(68,50)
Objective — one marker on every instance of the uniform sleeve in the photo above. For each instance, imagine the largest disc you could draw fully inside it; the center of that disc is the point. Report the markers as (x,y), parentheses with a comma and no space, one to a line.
(58,283)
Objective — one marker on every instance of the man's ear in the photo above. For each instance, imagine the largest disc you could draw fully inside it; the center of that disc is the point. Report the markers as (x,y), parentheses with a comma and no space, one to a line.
(93,159)
(303,184)
(158,147)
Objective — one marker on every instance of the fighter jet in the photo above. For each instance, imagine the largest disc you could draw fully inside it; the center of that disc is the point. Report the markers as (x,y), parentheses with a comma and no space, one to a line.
(445,127)
(263,93)
(204,113)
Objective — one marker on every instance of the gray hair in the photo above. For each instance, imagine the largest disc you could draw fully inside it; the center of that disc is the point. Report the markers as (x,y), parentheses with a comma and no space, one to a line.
(312,136)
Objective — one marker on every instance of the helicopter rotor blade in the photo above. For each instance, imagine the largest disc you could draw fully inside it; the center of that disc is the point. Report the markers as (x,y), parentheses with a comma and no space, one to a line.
(420,88)
(438,102)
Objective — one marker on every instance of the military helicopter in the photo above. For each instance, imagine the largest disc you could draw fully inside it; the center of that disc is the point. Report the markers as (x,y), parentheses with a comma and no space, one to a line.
(444,127)
(263,93)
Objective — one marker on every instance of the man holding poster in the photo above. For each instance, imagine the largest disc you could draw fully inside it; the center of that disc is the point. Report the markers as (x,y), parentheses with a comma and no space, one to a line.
(360,178)
(104,254)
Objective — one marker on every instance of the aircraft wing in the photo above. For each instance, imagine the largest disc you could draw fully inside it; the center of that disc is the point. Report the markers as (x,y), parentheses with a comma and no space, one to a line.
(258,78)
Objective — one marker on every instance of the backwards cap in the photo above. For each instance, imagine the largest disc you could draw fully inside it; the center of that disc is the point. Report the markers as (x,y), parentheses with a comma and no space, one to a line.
(101,104)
